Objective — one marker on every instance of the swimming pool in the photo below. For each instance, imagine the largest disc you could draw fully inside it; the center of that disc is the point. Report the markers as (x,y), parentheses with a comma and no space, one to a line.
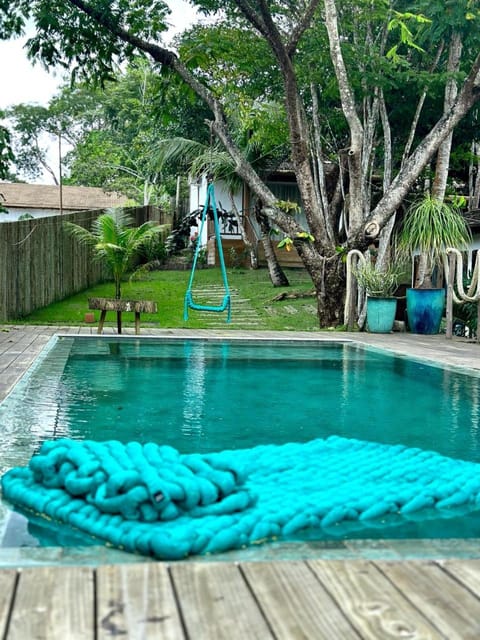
(204,395)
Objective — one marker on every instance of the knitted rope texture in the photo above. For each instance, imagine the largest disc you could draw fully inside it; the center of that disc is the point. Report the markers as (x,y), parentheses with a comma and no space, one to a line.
(152,500)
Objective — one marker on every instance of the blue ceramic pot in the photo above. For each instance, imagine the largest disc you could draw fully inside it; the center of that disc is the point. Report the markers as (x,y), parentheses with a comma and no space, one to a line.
(425,310)
(381,314)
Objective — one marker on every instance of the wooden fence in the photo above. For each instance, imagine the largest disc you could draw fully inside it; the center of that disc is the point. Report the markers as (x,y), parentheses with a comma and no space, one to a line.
(40,262)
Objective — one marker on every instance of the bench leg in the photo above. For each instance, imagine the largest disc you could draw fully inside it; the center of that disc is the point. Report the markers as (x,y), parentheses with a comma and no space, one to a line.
(119,322)
(137,322)
(101,321)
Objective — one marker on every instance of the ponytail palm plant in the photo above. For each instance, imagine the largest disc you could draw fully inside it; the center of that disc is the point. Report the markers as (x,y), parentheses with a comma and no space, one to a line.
(115,241)
(429,227)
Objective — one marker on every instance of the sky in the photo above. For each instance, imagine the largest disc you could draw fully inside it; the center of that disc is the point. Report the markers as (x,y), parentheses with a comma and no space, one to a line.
(23,82)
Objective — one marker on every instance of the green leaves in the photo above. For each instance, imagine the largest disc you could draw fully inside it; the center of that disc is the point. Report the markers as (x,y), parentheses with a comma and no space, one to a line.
(288,243)
(6,154)
(114,241)
(407,37)
(429,227)
(288,207)
(377,284)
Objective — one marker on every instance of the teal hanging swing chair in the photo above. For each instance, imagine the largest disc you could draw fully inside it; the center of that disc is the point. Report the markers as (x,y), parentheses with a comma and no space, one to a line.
(189,302)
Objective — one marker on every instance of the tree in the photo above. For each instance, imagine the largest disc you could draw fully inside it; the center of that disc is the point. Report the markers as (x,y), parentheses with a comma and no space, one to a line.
(115,242)
(119,130)
(6,153)
(92,35)
(31,127)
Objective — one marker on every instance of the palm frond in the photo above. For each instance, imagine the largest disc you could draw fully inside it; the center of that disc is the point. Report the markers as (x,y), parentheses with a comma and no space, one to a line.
(115,241)
(176,151)
(84,236)
(219,164)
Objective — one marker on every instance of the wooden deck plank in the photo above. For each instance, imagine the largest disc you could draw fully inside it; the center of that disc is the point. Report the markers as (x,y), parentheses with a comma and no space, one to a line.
(449,606)
(216,603)
(374,607)
(295,603)
(289,600)
(7,586)
(53,604)
(136,601)
(466,571)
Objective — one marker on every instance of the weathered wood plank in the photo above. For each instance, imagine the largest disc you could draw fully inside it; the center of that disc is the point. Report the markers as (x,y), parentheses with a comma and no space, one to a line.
(7,586)
(53,603)
(374,607)
(453,610)
(295,603)
(136,601)
(466,571)
(216,603)
(111,304)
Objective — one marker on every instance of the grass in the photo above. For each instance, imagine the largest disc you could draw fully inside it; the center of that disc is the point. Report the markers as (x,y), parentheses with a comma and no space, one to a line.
(167,289)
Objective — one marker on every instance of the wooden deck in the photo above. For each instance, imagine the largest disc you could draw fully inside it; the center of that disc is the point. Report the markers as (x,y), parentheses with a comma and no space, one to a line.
(307,600)
(318,599)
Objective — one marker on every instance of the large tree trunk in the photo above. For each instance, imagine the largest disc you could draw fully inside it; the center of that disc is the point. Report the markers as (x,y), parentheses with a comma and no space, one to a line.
(328,278)
(451,91)
(277,275)
(474,177)
(354,152)
(248,245)
(423,275)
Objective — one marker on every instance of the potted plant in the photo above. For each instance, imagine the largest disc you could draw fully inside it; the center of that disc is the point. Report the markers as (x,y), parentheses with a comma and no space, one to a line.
(430,226)
(379,285)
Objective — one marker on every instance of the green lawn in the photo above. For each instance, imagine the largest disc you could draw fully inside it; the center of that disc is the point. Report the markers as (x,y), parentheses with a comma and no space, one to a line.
(167,289)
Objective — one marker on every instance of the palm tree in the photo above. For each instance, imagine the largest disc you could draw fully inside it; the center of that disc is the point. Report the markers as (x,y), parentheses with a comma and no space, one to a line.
(115,241)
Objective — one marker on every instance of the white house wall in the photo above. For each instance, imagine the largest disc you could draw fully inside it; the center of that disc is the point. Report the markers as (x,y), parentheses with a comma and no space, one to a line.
(15,213)
(198,196)
(474,246)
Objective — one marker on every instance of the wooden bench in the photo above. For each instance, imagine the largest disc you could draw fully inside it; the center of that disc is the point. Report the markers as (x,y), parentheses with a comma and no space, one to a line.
(120,306)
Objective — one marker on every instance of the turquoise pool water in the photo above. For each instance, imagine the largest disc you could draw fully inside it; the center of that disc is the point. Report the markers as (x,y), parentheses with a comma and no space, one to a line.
(211,395)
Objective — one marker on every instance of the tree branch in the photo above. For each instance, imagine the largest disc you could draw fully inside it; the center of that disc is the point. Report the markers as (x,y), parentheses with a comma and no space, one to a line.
(169,59)
(252,16)
(401,185)
(301,27)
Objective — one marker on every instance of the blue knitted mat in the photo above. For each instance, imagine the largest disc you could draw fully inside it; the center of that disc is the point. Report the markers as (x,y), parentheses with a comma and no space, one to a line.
(152,500)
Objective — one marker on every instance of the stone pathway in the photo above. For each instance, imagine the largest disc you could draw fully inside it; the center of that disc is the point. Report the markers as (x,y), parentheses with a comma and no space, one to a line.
(243,315)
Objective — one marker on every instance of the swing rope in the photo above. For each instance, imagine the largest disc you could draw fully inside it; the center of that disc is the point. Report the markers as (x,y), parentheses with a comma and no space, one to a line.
(189,302)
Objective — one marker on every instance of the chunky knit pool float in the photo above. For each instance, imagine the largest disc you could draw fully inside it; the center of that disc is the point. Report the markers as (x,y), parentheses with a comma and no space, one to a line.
(152,500)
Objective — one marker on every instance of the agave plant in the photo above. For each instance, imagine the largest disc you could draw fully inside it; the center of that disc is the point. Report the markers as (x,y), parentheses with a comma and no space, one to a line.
(429,227)
(115,241)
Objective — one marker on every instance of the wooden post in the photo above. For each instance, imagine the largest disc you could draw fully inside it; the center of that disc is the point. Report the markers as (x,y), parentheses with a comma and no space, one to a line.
(352,305)
(451,277)
(478,315)
(102,320)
